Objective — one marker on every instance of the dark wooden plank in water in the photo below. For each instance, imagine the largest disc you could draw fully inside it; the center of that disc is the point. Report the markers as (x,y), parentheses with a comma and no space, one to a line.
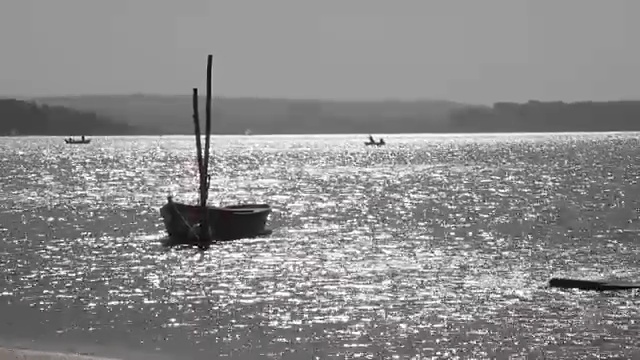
(620,286)
(597,285)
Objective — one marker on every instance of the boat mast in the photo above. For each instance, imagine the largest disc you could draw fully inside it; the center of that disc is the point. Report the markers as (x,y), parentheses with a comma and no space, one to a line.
(196,123)
(203,157)
(208,129)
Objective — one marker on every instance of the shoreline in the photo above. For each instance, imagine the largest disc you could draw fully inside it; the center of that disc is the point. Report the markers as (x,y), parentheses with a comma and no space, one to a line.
(7,353)
(59,349)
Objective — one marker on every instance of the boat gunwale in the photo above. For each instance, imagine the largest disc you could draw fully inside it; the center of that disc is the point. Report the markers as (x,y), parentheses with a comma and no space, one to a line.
(237,209)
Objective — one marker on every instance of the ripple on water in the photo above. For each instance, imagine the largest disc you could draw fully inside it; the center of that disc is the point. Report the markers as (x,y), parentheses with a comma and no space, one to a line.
(431,246)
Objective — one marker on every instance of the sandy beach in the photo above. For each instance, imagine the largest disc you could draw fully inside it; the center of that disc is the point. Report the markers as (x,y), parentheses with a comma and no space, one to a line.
(22,354)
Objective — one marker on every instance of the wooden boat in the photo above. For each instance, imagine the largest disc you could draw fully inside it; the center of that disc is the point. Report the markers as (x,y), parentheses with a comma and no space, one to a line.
(201,224)
(82,140)
(233,222)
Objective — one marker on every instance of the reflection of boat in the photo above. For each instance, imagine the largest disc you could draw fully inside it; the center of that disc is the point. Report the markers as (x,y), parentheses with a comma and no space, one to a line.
(225,223)
(202,224)
(372,142)
(82,140)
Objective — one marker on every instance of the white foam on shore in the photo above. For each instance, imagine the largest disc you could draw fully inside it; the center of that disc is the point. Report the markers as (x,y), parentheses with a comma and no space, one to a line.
(23,354)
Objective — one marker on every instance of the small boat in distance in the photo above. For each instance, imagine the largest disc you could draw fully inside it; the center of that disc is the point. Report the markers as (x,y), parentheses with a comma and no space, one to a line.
(82,140)
(372,142)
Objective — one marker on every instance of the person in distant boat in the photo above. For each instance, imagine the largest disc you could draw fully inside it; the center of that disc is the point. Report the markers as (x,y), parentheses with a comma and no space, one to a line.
(82,137)
(371,139)
(381,141)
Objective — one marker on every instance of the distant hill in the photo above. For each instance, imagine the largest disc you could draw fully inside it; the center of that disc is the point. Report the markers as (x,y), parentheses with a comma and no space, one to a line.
(536,116)
(172,114)
(19,117)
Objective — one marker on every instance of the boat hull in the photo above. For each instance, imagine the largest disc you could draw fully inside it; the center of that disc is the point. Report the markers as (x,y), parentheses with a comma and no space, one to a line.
(225,223)
(67,141)
(373,144)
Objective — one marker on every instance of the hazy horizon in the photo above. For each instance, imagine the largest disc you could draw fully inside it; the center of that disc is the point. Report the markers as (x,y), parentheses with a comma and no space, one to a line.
(324,99)
(460,51)
(257,97)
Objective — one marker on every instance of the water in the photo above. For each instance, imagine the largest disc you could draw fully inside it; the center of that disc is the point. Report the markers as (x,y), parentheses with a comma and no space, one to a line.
(433,246)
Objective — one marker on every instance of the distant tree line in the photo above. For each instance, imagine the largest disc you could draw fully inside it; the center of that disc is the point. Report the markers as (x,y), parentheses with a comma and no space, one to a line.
(159,114)
(19,117)
(536,116)
(171,114)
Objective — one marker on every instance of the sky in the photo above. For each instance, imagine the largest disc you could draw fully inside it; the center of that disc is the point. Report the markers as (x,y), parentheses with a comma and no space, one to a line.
(473,51)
